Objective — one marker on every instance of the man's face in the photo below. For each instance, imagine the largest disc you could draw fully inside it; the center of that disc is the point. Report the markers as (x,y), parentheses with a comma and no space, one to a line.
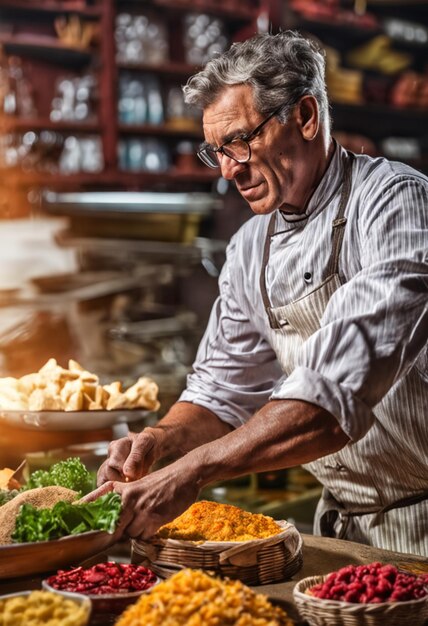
(277,176)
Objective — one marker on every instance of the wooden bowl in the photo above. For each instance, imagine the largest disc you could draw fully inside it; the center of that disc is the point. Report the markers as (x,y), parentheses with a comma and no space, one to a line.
(25,559)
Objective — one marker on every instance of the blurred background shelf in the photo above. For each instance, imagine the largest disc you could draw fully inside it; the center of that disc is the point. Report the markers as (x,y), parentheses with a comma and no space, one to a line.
(168,69)
(46,49)
(378,120)
(108,115)
(48,7)
(39,123)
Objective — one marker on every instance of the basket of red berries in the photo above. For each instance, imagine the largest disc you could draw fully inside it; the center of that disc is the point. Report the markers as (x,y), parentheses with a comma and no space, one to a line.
(363,595)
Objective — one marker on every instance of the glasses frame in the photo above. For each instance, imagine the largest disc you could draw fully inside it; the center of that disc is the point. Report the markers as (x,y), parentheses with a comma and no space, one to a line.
(246,138)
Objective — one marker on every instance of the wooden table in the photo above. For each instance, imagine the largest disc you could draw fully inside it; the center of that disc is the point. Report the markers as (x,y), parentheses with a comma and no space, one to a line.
(320,556)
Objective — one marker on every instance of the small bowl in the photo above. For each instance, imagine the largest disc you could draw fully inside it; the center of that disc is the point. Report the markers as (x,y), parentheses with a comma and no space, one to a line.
(109,605)
(78,598)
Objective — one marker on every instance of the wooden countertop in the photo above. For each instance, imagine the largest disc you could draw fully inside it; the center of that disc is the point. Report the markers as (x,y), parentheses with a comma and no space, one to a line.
(320,556)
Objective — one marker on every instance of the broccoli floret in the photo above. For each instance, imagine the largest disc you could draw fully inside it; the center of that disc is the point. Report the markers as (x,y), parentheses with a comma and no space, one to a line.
(7,494)
(70,473)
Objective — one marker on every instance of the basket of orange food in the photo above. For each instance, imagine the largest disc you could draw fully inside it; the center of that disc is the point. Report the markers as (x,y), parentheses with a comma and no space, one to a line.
(226,540)
(363,595)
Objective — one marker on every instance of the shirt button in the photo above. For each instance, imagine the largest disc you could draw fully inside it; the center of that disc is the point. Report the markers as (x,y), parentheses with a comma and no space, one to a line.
(338,467)
(307,277)
(283,322)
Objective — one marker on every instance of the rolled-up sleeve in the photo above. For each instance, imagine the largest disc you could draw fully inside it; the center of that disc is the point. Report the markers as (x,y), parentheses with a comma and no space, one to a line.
(376,324)
(235,369)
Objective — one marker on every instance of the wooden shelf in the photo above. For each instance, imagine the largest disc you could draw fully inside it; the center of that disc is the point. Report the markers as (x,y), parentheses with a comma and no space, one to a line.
(18,125)
(45,48)
(234,11)
(342,35)
(45,57)
(50,7)
(167,69)
(17,178)
(160,130)
(396,3)
(379,121)
(199,175)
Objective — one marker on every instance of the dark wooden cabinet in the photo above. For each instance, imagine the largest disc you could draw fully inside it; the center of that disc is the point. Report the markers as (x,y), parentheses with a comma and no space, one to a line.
(30,32)
(379,89)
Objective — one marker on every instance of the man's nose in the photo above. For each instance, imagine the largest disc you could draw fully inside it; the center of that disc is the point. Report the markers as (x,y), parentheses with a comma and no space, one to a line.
(229,167)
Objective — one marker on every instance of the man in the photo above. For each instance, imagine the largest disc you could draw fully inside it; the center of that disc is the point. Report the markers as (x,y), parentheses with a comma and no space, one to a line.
(316,349)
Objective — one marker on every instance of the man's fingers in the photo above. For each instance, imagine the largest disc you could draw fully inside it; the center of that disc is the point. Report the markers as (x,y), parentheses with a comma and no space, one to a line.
(118,453)
(112,468)
(135,466)
(108,474)
(97,493)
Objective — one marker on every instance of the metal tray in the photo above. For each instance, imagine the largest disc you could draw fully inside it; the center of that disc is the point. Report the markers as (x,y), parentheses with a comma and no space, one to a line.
(121,203)
(71,420)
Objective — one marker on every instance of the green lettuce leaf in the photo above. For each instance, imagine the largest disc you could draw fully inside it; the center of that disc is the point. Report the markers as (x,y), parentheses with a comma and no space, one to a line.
(65,518)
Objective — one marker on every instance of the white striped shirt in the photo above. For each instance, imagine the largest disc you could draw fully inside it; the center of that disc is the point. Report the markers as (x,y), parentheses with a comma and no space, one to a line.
(373,334)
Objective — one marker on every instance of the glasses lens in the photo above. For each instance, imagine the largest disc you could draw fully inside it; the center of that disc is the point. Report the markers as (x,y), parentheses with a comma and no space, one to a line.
(237,149)
(209,157)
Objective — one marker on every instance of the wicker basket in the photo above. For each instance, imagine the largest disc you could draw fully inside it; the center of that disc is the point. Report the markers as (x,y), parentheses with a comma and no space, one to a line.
(257,562)
(319,612)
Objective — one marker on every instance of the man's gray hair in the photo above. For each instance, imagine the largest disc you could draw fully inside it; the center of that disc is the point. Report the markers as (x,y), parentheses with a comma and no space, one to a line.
(280,68)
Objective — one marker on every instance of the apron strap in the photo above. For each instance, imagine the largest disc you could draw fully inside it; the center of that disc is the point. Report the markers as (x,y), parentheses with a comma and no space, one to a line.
(339,221)
(338,233)
(265,260)
(335,510)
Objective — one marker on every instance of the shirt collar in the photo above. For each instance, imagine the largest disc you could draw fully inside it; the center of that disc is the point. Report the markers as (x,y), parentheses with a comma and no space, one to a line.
(323,194)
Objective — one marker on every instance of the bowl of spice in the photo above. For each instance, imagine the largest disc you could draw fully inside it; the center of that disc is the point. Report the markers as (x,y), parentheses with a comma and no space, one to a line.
(375,594)
(224,539)
(110,586)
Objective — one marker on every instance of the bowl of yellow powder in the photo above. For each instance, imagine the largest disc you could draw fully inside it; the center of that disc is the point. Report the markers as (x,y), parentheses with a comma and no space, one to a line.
(226,540)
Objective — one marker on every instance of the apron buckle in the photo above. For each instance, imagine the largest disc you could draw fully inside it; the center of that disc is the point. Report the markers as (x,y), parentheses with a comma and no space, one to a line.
(340,221)
(272,319)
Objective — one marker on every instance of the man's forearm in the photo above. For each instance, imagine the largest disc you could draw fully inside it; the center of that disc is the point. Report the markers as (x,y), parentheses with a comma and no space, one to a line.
(187,426)
(284,433)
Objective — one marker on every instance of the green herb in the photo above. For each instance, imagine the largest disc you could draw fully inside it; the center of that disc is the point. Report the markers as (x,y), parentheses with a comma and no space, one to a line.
(7,494)
(65,519)
(70,473)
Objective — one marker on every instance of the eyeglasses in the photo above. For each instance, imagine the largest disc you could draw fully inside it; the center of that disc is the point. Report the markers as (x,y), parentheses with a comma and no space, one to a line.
(238,148)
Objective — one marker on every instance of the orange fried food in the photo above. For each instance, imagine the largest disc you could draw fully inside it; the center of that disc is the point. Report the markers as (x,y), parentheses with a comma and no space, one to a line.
(211,521)
(192,597)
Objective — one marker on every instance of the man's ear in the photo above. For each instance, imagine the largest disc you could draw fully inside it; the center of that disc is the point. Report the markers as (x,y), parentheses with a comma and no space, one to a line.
(308,117)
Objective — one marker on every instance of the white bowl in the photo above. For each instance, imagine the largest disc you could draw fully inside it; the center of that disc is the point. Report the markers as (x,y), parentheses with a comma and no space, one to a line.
(78,598)
(108,604)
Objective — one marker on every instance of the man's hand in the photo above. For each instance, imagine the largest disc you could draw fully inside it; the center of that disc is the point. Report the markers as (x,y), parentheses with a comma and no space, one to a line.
(185,427)
(153,500)
(130,457)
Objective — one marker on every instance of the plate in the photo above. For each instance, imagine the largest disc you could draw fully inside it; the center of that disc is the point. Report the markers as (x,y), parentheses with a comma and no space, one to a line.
(71,420)
(25,559)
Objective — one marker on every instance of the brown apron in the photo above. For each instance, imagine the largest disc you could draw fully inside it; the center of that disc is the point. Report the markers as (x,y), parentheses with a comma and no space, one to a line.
(290,326)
